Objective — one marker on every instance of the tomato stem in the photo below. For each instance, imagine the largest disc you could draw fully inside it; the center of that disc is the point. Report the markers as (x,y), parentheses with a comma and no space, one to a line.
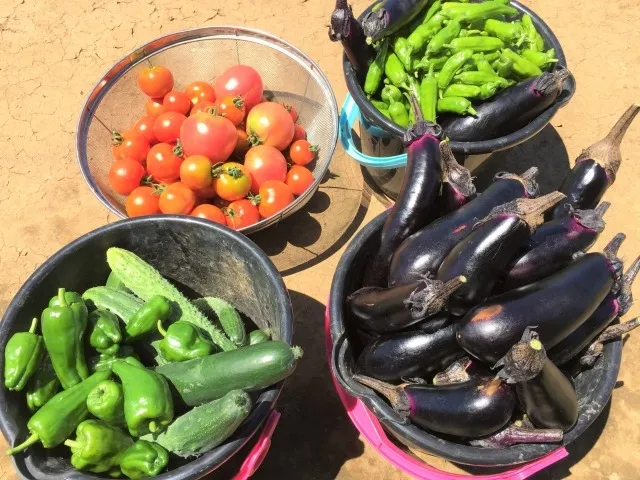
(116,138)
(238,102)
(234,172)
(255,199)
(314,148)
(254,139)
(177,150)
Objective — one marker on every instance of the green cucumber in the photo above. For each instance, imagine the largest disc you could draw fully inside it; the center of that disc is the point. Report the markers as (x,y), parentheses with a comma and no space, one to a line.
(259,336)
(205,427)
(248,368)
(113,281)
(228,317)
(123,304)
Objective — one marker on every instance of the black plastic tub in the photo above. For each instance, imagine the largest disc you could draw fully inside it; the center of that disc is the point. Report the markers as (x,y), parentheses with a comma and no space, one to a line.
(199,255)
(593,386)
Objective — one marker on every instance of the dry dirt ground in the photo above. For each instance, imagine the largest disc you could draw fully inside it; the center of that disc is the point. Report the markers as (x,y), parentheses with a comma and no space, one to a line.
(52,52)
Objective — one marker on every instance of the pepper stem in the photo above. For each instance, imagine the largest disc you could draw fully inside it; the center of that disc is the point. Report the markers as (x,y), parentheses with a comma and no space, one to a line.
(625,297)
(33,439)
(597,347)
(73,444)
(394,393)
(34,325)
(515,435)
(61,299)
(153,426)
(162,331)
(433,297)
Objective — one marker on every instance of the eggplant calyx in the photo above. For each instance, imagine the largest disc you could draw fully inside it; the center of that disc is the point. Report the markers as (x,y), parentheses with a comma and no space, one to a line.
(394,393)
(340,21)
(374,23)
(550,82)
(530,210)
(528,180)
(433,297)
(615,331)
(454,173)
(454,373)
(593,219)
(524,360)
(611,253)
(514,435)
(625,297)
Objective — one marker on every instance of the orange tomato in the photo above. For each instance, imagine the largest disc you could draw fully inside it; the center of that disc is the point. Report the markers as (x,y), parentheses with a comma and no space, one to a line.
(299,178)
(274,197)
(177,199)
(209,212)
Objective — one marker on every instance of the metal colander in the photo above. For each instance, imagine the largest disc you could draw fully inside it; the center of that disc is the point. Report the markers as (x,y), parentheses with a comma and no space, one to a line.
(202,54)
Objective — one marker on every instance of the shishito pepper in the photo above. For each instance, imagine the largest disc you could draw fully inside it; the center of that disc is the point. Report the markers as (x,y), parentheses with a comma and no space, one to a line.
(403,52)
(475,44)
(399,114)
(429,96)
(419,38)
(443,37)
(143,459)
(22,356)
(106,402)
(390,94)
(43,385)
(540,59)
(511,33)
(63,327)
(105,335)
(157,308)
(373,80)
(523,67)
(534,39)
(183,341)
(458,105)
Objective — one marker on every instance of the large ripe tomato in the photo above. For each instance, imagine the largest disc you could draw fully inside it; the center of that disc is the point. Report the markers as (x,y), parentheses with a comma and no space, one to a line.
(130,144)
(242,213)
(299,178)
(163,164)
(125,175)
(175,101)
(144,126)
(177,199)
(213,137)
(243,81)
(195,172)
(155,82)
(231,181)
(204,106)
(142,201)
(302,152)
(154,107)
(270,124)
(209,212)
(167,126)
(274,197)
(199,91)
(231,108)
(264,163)
(243,145)
(300,133)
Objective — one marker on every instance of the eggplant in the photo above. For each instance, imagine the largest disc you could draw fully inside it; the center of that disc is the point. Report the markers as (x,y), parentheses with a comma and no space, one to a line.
(508,111)
(423,252)
(457,185)
(345,28)
(433,324)
(614,331)
(515,435)
(386,310)
(409,354)
(556,305)
(554,245)
(485,253)
(595,168)
(417,197)
(473,409)
(389,16)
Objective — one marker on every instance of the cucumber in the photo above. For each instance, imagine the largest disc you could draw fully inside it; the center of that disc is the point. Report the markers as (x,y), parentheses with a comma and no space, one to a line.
(123,304)
(248,368)
(205,427)
(113,281)
(259,336)
(145,281)
(227,315)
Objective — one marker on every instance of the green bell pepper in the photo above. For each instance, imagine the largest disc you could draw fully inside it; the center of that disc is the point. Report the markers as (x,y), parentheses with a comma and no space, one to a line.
(144,459)
(105,334)
(43,385)
(104,361)
(145,320)
(22,356)
(183,341)
(106,402)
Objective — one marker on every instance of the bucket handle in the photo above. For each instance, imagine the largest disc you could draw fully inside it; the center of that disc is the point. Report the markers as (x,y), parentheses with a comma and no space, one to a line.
(260,449)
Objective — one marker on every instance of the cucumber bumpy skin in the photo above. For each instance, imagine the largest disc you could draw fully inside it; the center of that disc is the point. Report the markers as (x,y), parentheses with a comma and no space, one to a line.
(227,315)
(121,303)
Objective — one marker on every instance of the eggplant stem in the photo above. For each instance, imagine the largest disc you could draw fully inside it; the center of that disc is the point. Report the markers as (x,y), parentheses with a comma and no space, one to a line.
(524,360)
(514,435)
(625,297)
(611,250)
(433,297)
(454,173)
(528,180)
(530,210)
(592,219)
(394,393)
(614,331)
(454,373)
(551,81)
(619,130)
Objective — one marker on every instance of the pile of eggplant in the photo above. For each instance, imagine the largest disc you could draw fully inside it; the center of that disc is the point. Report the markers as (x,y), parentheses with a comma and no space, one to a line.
(477,310)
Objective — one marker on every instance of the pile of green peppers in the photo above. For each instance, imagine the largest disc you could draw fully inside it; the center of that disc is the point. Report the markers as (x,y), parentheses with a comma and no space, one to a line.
(454,55)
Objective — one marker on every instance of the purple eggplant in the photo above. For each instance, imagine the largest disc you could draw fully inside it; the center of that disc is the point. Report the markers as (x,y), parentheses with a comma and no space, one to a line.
(554,245)
(595,350)
(515,435)
(595,169)
(486,252)
(345,28)
(508,111)
(457,185)
(422,253)
(417,197)
(386,310)
(556,305)
(434,323)
(389,16)
(473,409)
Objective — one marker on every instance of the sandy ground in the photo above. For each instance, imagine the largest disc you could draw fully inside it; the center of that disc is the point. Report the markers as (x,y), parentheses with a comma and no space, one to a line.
(52,53)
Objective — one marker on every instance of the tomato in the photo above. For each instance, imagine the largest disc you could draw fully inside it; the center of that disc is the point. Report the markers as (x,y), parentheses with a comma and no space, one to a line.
(154,107)
(243,144)
(130,144)
(125,175)
(204,106)
(299,178)
(302,152)
(264,163)
(200,91)
(231,181)
(292,111)
(142,201)
(242,213)
(144,126)
(240,80)
(231,108)
(167,126)
(175,101)
(270,124)
(177,199)
(195,172)
(207,193)
(155,82)
(274,197)
(163,164)
(209,212)
(299,133)
(213,137)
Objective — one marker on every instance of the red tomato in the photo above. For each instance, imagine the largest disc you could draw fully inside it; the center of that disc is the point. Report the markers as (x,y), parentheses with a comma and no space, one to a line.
(299,179)
(242,213)
(231,181)
(302,152)
(142,201)
(177,199)
(274,197)
(264,163)
(207,193)
(231,108)
(199,91)
(175,101)
(292,111)
(240,80)
(270,124)
(243,144)
(213,137)
(195,172)
(125,175)
(154,107)
(204,106)
(130,144)
(155,82)
(299,133)
(167,126)
(209,212)
(144,126)
(163,164)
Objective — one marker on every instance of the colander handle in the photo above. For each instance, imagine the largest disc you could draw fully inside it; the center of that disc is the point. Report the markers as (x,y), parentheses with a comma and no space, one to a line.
(260,449)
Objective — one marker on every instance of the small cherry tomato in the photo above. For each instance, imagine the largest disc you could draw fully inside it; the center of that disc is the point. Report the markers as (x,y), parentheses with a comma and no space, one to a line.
(199,91)
(292,111)
(142,201)
(231,108)
(270,124)
(231,181)
(207,193)
(176,101)
(299,133)
(240,80)
(163,164)
(144,126)
(155,82)
(264,163)
(167,126)
(130,144)
(241,213)
(125,175)
(299,178)
(177,199)
(195,172)
(154,107)
(302,152)
(203,106)
(274,197)
(208,135)
(209,212)
(243,145)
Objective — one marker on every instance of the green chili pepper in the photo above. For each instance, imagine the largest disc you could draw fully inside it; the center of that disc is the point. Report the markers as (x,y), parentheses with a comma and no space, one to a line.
(480,78)
(105,334)
(146,318)
(483,65)
(148,405)
(63,327)
(395,72)
(98,447)
(534,39)
(475,12)
(436,62)
(390,94)
(399,114)
(106,402)
(43,385)
(105,361)
(476,44)
(443,37)
(461,90)
(452,66)
(458,105)
(183,341)
(59,417)
(376,70)
(22,356)
(540,59)
(432,10)
(523,67)
(511,33)
(488,90)
(418,39)
(378,104)
(403,52)
(429,96)
(503,67)
(144,459)
(491,56)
